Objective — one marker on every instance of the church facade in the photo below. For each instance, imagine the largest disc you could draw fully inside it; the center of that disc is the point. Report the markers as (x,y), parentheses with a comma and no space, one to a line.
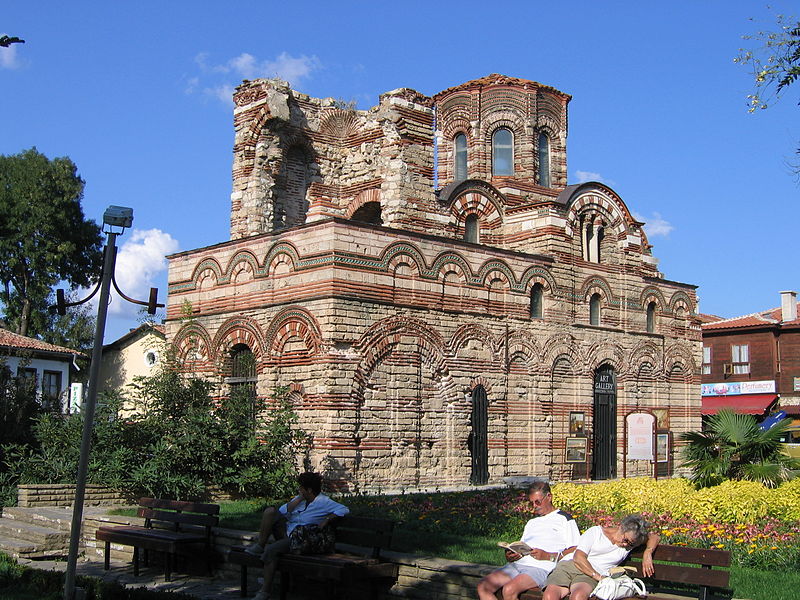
(444,308)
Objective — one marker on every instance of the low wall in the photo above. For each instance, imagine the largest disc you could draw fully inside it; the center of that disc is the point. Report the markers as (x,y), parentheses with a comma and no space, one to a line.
(63,494)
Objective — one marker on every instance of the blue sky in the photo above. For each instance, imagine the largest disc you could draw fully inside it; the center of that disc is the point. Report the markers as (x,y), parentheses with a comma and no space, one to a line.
(138,95)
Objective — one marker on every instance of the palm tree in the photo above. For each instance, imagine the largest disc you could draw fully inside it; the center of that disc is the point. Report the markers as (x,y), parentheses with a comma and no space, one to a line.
(734,447)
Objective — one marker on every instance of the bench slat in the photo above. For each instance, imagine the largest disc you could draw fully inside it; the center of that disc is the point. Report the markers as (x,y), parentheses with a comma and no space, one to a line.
(368,523)
(176,517)
(688,575)
(197,507)
(368,539)
(699,556)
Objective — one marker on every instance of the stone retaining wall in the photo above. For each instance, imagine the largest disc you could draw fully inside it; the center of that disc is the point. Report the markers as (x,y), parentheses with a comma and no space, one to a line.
(63,494)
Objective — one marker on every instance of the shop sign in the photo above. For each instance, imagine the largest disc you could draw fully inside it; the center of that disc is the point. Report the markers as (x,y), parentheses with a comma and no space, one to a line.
(735,388)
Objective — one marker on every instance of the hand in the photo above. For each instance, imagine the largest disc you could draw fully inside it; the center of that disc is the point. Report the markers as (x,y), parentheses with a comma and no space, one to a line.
(540,554)
(512,556)
(647,565)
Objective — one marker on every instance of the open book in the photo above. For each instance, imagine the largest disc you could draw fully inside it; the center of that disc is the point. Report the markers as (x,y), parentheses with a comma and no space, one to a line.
(518,547)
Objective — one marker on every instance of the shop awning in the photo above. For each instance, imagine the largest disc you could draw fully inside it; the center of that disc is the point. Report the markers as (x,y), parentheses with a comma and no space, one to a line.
(750,404)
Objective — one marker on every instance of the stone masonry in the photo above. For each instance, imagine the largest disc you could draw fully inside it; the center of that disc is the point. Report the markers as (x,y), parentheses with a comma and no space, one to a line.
(435,332)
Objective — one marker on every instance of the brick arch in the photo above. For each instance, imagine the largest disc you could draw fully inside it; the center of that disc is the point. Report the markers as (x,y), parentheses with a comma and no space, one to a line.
(478,203)
(679,298)
(290,322)
(497,267)
(560,345)
(599,197)
(480,380)
(288,253)
(242,256)
(596,284)
(679,354)
(378,341)
(194,339)
(207,264)
(258,121)
(362,198)
(523,346)
(456,125)
(473,331)
(391,253)
(646,352)
(539,275)
(652,294)
(445,262)
(509,119)
(606,353)
(339,124)
(238,330)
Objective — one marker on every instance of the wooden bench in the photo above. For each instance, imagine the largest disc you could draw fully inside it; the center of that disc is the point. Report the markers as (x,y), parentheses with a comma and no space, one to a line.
(338,569)
(170,526)
(681,573)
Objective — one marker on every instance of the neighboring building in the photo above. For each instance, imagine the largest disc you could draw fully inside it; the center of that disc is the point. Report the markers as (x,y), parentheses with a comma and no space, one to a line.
(444,308)
(135,354)
(50,366)
(752,363)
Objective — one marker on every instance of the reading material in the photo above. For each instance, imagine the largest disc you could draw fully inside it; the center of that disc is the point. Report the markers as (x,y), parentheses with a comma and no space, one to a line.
(519,547)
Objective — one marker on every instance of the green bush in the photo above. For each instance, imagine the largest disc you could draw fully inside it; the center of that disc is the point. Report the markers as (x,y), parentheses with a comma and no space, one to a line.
(182,441)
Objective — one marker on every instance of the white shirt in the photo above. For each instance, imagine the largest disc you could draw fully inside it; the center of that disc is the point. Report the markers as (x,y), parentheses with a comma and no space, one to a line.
(552,533)
(311,513)
(601,551)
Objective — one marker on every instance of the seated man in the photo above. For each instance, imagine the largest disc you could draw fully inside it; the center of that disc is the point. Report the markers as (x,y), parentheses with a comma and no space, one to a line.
(309,507)
(551,534)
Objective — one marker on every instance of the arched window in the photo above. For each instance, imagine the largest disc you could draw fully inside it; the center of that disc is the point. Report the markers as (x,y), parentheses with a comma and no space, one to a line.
(471,228)
(544,160)
(537,301)
(594,309)
(460,142)
(502,152)
(651,317)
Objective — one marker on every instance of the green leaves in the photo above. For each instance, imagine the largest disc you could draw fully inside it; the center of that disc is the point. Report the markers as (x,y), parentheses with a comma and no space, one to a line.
(734,447)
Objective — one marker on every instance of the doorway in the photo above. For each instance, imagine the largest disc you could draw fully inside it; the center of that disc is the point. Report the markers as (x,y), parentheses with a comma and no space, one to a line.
(604,447)
(479,437)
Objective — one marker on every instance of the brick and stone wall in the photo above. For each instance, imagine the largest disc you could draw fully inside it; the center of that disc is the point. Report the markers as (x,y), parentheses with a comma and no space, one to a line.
(62,494)
(385,331)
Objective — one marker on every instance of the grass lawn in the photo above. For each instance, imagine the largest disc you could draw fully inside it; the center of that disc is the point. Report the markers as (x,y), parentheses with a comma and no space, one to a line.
(467,525)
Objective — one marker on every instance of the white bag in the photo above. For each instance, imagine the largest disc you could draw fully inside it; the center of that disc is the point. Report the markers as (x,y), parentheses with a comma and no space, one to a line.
(614,588)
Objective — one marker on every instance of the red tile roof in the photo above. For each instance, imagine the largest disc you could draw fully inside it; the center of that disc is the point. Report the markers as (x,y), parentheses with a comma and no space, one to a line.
(21,342)
(771,316)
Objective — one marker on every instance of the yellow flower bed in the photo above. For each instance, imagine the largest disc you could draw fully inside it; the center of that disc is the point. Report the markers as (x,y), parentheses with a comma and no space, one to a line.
(730,502)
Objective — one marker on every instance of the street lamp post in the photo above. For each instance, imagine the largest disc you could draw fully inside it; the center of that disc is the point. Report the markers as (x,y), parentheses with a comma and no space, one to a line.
(119,217)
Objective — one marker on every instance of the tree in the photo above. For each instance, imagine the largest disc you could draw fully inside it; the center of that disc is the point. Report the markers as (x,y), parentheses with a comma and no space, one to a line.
(44,236)
(775,63)
(734,447)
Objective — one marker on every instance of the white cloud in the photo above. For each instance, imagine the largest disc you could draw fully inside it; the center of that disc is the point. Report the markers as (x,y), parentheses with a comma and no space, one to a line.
(584,176)
(9,58)
(140,261)
(220,80)
(655,226)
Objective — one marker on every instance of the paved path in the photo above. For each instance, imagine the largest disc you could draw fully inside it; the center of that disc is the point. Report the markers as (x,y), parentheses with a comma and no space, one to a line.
(204,588)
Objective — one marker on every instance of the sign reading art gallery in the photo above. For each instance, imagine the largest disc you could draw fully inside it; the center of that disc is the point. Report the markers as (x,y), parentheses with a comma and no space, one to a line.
(736,388)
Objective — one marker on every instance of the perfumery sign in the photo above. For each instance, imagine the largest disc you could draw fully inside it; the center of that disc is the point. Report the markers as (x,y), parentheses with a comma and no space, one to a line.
(736,388)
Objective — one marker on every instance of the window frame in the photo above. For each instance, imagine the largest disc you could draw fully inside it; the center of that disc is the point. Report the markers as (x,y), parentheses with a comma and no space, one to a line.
(460,157)
(537,301)
(472,228)
(739,351)
(496,150)
(544,160)
(650,324)
(706,367)
(594,309)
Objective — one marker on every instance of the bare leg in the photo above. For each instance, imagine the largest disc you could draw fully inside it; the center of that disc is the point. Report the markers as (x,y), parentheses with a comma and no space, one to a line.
(554,592)
(516,586)
(268,518)
(491,583)
(579,591)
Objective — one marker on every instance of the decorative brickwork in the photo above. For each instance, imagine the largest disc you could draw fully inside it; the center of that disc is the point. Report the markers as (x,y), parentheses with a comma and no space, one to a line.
(349,279)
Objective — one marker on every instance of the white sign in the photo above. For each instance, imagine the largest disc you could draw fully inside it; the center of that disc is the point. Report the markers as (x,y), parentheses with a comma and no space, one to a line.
(75,397)
(640,435)
(734,388)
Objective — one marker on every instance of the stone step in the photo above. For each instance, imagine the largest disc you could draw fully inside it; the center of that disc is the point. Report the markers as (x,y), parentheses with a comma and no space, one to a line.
(26,549)
(45,538)
(53,517)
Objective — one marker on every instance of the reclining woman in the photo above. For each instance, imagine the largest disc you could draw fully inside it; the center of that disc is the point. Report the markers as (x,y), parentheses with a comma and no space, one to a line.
(598,550)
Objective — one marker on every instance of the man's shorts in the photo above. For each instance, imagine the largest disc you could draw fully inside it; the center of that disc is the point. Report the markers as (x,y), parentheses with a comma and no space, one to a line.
(566,573)
(513,569)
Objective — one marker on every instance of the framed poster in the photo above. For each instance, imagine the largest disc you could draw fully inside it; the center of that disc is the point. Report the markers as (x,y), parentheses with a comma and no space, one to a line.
(662,417)
(639,428)
(576,449)
(577,422)
(662,447)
